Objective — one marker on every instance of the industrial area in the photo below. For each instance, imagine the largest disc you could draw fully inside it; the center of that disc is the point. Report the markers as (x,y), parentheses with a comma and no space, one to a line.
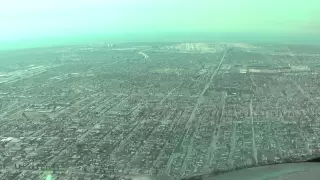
(114,111)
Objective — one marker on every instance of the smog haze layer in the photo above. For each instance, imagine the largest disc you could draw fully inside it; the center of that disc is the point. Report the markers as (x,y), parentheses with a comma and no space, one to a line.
(35,23)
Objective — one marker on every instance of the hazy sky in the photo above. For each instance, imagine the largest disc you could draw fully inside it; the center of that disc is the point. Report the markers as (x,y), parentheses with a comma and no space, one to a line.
(25,20)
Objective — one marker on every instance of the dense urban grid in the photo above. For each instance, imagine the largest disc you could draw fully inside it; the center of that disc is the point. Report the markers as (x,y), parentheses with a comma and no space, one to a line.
(114,111)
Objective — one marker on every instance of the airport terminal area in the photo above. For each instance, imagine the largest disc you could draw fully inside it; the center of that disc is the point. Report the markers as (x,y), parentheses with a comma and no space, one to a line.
(114,111)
